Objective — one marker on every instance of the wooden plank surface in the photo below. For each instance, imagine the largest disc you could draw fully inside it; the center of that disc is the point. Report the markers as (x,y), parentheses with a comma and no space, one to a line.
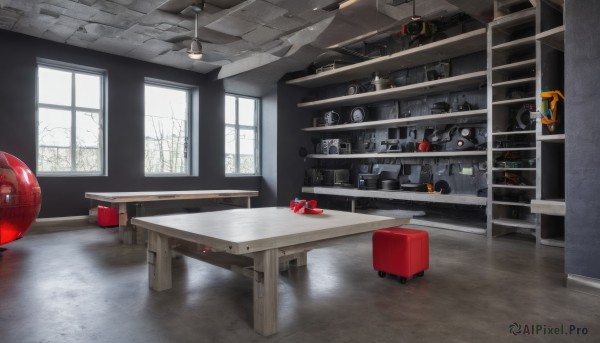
(403,154)
(428,119)
(449,84)
(464,199)
(555,207)
(242,231)
(459,45)
(119,197)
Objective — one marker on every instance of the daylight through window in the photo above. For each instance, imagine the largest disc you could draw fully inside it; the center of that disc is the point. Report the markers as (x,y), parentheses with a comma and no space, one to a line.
(167,114)
(70,116)
(241,135)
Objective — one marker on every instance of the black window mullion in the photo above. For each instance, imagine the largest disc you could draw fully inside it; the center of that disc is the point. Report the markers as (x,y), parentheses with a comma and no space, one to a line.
(73,125)
(237,135)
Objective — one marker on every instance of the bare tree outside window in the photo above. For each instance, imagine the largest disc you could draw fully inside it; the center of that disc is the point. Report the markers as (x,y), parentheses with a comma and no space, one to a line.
(241,135)
(166,127)
(70,121)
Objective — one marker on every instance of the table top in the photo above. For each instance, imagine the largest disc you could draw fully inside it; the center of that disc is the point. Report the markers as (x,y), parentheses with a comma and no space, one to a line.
(117,197)
(242,231)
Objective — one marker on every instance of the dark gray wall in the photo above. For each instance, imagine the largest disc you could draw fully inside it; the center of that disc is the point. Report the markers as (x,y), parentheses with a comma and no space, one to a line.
(282,137)
(64,196)
(290,166)
(582,156)
(269,148)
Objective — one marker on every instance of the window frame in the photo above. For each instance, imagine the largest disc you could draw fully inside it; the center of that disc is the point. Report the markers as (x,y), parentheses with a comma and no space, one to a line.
(237,127)
(189,151)
(73,109)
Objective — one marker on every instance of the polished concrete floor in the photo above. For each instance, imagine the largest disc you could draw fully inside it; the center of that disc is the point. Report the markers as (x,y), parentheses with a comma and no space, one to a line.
(82,286)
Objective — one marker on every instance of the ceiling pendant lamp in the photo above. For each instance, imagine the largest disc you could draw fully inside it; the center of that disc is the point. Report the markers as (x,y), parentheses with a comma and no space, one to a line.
(195,50)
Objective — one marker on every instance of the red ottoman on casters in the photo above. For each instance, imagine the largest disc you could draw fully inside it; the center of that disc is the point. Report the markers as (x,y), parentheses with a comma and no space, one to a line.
(401,251)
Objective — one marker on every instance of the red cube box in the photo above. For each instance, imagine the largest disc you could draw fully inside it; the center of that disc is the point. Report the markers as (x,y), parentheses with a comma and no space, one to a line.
(401,251)
(108,216)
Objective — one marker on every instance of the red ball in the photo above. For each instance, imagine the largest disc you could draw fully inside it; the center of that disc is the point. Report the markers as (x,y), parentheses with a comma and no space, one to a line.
(20,198)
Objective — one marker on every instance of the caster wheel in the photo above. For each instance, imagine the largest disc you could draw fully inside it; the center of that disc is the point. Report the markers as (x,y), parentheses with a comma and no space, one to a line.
(403,280)
(381,274)
(421,274)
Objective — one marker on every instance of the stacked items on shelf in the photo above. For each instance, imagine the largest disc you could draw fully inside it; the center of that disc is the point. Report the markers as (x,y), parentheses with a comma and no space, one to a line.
(511,127)
(549,202)
(419,112)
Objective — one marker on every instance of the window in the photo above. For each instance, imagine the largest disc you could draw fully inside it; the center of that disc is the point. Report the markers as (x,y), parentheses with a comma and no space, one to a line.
(167,115)
(241,135)
(70,117)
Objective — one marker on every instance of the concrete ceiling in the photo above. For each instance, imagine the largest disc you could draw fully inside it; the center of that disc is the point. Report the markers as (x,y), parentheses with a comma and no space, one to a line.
(238,36)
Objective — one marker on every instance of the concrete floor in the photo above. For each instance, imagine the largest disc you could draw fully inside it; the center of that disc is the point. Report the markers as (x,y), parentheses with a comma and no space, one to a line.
(82,286)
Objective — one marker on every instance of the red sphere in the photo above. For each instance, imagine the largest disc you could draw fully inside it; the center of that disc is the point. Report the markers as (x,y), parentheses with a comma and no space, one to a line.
(20,198)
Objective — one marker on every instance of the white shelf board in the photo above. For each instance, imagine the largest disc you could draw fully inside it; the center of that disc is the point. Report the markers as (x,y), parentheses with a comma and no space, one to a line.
(465,227)
(402,154)
(514,223)
(513,101)
(552,138)
(515,169)
(463,199)
(513,19)
(515,44)
(512,186)
(553,242)
(455,46)
(515,66)
(510,203)
(444,118)
(430,87)
(514,82)
(513,149)
(554,38)
(554,207)
(510,133)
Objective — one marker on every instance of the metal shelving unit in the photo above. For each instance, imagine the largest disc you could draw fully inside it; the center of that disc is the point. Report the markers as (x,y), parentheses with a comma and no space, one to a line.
(512,62)
(549,202)
(455,46)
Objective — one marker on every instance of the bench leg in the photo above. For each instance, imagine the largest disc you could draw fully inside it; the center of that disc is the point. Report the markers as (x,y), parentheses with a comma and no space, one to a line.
(127,233)
(266,275)
(301,259)
(159,262)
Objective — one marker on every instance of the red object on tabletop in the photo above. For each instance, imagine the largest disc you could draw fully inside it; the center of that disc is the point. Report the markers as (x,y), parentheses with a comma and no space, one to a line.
(305,207)
(20,198)
(401,251)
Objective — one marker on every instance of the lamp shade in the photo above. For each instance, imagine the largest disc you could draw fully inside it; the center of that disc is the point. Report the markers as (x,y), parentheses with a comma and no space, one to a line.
(195,51)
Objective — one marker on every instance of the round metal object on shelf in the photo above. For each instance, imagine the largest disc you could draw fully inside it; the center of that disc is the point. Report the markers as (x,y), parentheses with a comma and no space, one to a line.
(358,114)
(442,187)
(354,88)
(390,185)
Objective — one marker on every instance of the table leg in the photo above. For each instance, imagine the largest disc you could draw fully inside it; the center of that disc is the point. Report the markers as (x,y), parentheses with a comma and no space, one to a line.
(248,201)
(127,233)
(141,234)
(159,262)
(353,205)
(266,275)
(301,259)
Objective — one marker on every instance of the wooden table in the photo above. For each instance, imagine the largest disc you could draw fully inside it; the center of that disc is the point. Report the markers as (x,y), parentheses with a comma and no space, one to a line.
(127,233)
(251,241)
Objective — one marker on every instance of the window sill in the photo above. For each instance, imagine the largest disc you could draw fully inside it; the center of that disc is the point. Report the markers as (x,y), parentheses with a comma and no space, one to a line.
(69,175)
(243,175)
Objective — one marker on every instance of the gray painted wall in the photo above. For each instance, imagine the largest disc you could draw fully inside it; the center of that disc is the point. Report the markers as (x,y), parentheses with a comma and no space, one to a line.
(64,196)
(582,156)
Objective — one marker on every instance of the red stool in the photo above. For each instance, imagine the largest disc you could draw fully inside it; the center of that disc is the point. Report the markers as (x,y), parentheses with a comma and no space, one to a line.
(401,251)
(108,216)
